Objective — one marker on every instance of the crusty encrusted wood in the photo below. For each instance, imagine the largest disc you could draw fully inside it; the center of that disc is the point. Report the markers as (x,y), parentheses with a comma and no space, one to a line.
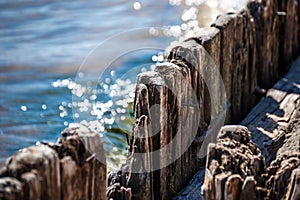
(65,170)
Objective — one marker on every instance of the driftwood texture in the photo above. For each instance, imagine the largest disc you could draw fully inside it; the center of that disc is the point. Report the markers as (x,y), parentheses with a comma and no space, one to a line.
(275,134)
(65,170)
(251,49)
(234,166)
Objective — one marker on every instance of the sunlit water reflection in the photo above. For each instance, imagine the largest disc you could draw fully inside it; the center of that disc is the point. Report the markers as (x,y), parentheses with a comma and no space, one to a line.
(42,44)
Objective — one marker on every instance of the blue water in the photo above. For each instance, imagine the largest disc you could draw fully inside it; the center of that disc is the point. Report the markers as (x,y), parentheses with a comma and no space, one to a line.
(43,44)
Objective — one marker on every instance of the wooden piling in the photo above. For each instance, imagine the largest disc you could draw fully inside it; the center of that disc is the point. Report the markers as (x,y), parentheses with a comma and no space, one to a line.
(175,116)
(65,170)
(246,46)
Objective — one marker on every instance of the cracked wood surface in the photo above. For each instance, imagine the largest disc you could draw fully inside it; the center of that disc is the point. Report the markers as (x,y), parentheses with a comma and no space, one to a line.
(269,120)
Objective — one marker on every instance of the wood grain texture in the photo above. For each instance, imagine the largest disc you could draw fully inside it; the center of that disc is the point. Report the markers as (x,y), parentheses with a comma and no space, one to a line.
(65,170)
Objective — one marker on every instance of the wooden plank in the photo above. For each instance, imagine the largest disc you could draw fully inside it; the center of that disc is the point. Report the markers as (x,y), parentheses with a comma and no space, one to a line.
(210,39)
(244,73)
(237,70)
(169,89)
(190,55)
(225,23)
(176,100)
(288,18)
(267,37)
(273,114)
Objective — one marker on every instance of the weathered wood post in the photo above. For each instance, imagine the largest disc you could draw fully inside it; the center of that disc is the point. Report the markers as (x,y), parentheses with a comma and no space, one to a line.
(169,110)
(66,170)
(238,62)
(166,110)
(175,115)
(274,127)
(288,17)
(246,46)
(267,36)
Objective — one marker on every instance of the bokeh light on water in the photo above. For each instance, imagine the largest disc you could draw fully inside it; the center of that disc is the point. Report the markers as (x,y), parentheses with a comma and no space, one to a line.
(108,108)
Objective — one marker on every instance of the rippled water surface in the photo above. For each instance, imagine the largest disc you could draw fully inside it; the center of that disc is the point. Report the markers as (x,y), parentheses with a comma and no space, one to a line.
(43,44)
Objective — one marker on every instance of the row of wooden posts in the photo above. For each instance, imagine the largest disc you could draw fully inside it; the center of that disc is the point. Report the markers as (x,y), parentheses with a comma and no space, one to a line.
(250,50)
